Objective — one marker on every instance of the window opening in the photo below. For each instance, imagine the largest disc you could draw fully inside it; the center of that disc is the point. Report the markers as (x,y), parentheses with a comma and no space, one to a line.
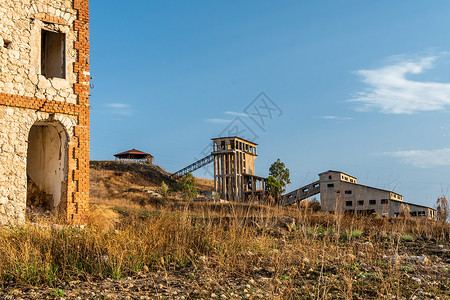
(53,54)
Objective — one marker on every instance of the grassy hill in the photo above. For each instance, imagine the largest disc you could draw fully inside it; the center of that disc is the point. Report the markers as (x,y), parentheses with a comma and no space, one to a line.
(132,181)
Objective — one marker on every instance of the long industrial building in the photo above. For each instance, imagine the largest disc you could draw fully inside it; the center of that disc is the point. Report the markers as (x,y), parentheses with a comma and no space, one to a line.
(340,193)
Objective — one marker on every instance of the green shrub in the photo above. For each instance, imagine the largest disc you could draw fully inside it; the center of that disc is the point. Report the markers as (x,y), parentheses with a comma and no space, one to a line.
(57,293)
(187,187)
(356,233)
(407,238)
(406,268)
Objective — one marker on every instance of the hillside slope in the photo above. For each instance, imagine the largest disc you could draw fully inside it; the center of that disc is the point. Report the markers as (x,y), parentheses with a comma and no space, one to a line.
(112,180)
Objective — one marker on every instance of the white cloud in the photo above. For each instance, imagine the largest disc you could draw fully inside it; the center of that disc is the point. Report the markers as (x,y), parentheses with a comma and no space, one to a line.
(218,121)
(230,113)
(392,93)
(237,114)
(423,158)
(119,109)
(335,118)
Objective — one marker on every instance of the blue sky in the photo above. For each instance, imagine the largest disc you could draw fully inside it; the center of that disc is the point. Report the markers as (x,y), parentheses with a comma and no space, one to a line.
(357,86)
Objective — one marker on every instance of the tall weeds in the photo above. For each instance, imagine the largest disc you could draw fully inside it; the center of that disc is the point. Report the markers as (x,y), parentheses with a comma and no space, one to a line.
(235,239)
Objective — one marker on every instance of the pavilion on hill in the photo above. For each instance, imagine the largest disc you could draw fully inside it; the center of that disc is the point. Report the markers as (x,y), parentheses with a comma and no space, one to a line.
(134,155)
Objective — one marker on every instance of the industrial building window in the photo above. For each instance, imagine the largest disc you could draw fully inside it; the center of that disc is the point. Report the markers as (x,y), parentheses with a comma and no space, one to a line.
(329,177)
(384,201)
(421,214)
(372,202)
(53,54)
(348,192)
(413,214)
(361,202)
(330,185)
(348,203)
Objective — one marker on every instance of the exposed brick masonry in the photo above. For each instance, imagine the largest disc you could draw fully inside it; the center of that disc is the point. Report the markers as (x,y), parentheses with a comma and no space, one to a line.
(75,202)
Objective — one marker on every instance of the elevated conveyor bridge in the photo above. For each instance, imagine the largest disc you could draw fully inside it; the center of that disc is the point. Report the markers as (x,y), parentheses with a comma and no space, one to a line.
(301,193)
(195,166)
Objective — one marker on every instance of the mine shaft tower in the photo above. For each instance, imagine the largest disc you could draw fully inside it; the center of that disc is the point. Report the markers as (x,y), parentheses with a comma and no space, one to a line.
(234,170)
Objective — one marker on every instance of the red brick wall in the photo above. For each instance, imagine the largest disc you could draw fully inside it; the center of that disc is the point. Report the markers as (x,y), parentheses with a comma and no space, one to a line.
(78,185)
(77,202)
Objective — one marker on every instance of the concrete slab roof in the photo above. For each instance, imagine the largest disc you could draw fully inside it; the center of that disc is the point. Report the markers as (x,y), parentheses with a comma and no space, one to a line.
(234,137)
(409,203)
(338,172)
(375,188)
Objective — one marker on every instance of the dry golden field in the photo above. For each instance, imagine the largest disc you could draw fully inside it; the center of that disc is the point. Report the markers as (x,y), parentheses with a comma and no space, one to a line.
(141,246)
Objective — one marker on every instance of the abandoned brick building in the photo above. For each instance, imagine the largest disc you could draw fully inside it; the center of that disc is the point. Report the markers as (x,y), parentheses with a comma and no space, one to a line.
(44,108)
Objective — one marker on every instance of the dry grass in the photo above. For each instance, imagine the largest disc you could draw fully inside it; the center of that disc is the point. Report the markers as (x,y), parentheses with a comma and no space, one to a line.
(204,184)
(316,256)
(103,218)
(321,256)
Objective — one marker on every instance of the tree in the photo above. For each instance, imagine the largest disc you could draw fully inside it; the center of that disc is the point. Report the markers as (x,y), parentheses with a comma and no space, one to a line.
(187,187)
(280,172)
(442,209)
(273,187)
(278,179)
